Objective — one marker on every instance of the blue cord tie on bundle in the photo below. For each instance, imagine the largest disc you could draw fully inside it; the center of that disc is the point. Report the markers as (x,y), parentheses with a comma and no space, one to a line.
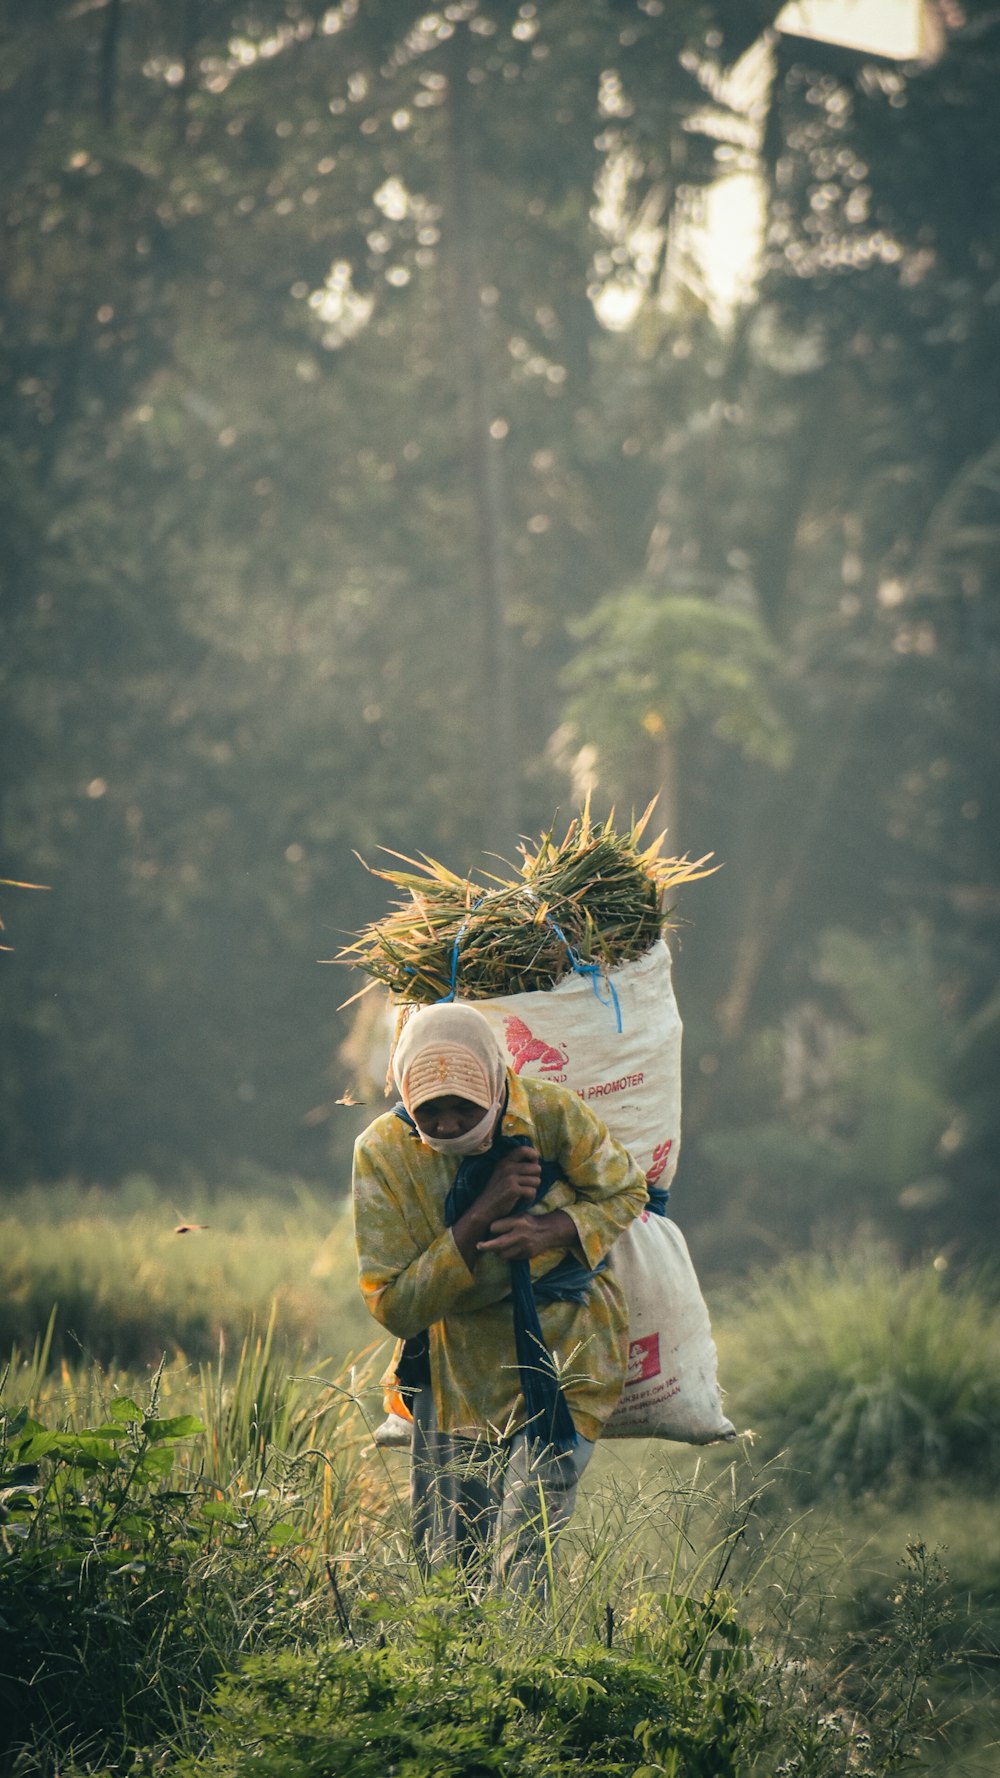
(547,1415)
(593,970)
(453,986)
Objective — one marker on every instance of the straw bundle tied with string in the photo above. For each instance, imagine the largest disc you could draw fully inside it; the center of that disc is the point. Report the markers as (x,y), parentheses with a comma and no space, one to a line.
(590,902)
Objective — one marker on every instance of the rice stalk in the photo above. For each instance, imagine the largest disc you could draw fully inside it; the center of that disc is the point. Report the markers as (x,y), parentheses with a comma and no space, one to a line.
(595,897)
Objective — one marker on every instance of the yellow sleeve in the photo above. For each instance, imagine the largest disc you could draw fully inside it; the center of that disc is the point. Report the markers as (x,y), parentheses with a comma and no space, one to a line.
(610,1186)
(405,1287)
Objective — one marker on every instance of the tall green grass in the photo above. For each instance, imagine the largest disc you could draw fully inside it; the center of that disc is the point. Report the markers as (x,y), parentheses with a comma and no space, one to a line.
(166,1618)
(154,1531)
(864,1375)
(215,1576)
(128,1288)
(654,1655)
(238,1536)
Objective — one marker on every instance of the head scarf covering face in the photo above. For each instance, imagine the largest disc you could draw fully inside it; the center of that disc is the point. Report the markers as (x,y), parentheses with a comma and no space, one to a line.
(450,1051)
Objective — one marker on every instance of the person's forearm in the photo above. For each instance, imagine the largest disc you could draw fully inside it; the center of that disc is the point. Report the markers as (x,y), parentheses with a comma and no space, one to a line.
(468,1231)
(420,1292)
(514,1237)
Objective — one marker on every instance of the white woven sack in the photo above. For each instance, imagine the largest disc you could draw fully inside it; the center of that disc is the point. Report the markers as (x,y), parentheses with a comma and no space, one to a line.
(671,1389)
(631,1077)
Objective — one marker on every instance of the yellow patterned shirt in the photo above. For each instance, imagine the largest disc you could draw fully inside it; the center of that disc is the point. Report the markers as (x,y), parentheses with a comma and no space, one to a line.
(413,1277)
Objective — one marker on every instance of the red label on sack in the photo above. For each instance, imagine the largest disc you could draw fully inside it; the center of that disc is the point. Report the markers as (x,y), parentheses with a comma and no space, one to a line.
(525,1047)
(661,1156)
(643,1359)
(602,1089)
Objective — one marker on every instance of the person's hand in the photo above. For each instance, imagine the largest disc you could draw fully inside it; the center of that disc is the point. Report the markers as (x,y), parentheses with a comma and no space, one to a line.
(512,1187)
(522,1237)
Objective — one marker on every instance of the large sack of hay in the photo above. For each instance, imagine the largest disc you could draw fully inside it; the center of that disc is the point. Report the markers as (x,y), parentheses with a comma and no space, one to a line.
(568,963)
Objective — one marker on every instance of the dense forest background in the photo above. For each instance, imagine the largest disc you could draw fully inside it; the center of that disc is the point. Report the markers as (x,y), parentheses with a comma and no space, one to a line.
(390,452)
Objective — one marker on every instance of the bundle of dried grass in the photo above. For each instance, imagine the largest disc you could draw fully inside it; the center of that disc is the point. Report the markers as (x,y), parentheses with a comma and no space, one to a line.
(595,897)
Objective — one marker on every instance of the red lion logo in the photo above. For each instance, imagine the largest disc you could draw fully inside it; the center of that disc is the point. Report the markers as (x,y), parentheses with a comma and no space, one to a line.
(524,1048)
(661,1156)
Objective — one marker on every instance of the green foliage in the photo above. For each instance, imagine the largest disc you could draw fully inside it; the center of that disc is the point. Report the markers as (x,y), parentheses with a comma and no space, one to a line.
(460,1690)
(268,1414)
(144,1546)
(655,661)
(448,1694)
(903,1664)
(946,1589)
(891,1074)
(861,1375)
(126,1586)
(165,1589)
(128,1288)
(242,516)
(975,1071)
(244,621)
(868,1105)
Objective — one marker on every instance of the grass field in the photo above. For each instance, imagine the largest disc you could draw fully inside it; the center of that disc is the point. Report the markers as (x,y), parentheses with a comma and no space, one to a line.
(128,1288)
(194,1523)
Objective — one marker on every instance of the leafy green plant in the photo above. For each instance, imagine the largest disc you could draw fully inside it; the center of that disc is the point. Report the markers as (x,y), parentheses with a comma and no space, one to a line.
(129,1578)
(866,1375)
(924,1625)
(200,1546)
(652,663)
(169,1580)
(690,1672)
(449,1688)
(456,1691)
(867,1105)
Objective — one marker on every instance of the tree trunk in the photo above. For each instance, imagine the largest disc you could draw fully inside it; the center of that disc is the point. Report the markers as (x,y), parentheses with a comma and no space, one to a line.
(108,63)
(500,763)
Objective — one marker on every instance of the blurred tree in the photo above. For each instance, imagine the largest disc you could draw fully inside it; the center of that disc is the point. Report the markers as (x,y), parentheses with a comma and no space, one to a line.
(828,469)
(655,664)
(242,634)
(860,1113)
(360,375)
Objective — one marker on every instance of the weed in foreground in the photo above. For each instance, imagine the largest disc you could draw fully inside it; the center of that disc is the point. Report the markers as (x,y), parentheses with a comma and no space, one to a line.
(656,1654)
(194,1594)
(143,1551)
(459,1689)
(451,1691)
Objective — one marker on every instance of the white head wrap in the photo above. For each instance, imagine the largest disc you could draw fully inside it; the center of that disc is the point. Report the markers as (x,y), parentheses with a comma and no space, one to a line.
(449,1050)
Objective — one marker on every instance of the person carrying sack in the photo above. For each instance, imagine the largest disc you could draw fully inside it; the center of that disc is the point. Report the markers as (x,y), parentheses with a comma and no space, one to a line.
(485,1206)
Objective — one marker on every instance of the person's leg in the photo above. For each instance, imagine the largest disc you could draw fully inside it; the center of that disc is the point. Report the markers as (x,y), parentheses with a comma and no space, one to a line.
(539,1493)
(427,1505)
(454,1491)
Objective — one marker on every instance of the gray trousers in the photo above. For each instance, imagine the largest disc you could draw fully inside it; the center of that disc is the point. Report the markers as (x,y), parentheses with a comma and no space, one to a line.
(493,1509)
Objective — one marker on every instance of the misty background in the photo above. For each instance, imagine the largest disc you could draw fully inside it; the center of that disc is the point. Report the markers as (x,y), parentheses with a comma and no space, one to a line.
(414,419)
